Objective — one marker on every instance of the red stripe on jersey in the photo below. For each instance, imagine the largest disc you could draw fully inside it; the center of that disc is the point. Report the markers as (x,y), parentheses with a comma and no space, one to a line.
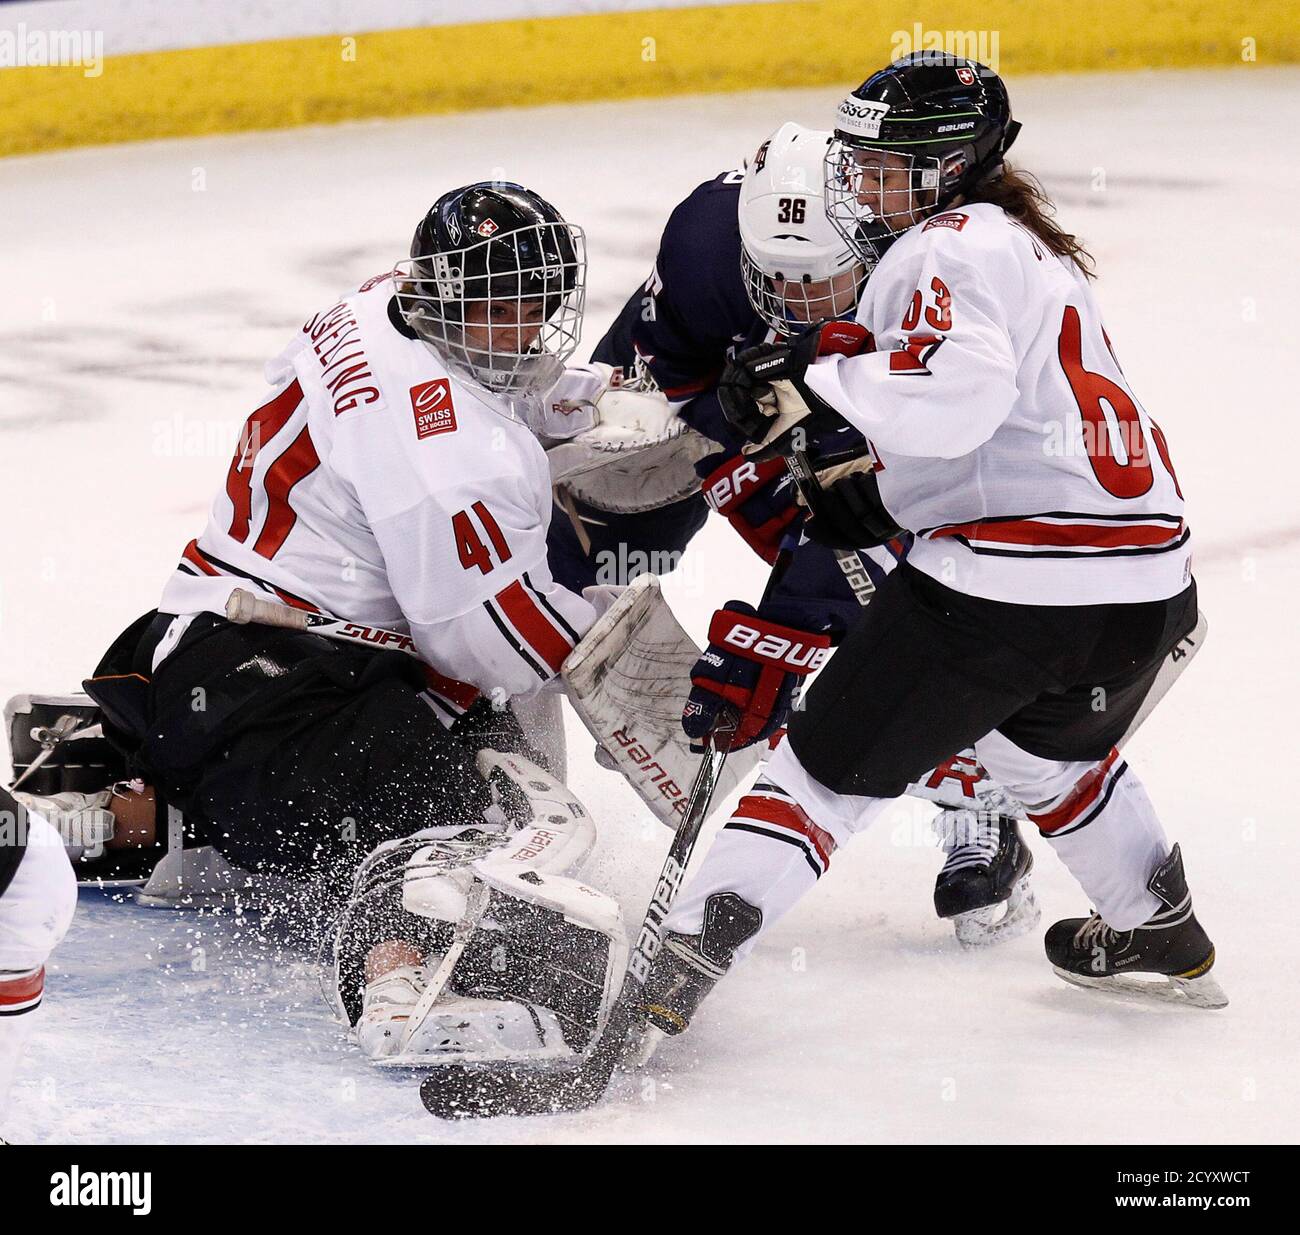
(299,460)
(1072,535)
(688,390)
(295,602)
(462,694)
(259,429)
(23,989)
(528,619)
(192,555)
(493,530)
(789,815)
(1085,792)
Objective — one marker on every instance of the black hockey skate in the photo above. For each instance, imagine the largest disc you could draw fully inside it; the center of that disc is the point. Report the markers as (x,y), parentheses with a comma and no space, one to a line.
(1171,945)
(688,967)
(984,884)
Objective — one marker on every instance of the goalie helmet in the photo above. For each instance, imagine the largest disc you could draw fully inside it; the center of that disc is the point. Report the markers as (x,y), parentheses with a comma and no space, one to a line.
(909,141)
(797,268)
(495,284)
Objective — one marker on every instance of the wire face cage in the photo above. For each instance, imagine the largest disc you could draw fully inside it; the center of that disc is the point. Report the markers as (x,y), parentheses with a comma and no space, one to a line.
(873,195)
(504,311)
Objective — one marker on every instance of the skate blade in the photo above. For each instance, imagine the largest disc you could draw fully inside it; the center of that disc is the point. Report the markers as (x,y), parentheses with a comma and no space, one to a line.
(1202,992)
(984,928)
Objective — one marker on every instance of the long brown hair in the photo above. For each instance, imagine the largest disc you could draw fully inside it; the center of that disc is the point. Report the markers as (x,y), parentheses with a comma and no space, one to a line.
(1026,201)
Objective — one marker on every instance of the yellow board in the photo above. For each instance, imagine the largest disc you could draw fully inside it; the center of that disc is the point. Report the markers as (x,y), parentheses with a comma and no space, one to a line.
(613,55)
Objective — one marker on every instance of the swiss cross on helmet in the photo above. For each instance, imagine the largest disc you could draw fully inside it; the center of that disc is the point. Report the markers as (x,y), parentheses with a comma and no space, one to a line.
(495,285)
(909,141)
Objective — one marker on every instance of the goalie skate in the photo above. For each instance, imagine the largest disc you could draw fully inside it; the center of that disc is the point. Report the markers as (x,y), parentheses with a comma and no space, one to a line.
(984,884)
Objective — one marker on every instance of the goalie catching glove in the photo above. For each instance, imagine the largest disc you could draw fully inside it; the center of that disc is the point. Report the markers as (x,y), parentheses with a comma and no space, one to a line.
(763,393)
(752,666)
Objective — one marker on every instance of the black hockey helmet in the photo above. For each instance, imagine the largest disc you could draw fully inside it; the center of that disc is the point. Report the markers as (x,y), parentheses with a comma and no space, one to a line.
(944,119)
(480,250)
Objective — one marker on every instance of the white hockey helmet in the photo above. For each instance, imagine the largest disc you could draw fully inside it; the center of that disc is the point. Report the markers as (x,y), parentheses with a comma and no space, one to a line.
(797,267)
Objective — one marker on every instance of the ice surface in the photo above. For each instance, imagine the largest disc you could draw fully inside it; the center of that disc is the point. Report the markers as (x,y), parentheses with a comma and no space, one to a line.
(145,285)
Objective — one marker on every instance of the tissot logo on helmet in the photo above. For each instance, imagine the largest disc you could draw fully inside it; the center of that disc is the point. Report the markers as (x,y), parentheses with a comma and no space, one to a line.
(861,117)
(944,130)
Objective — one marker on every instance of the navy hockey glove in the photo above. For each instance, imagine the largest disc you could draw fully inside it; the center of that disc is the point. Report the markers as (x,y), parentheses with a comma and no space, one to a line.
(751,666)
(755,495)
(752,404)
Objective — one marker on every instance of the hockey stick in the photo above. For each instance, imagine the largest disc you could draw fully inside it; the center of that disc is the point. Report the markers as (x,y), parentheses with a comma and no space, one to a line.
(855,573)
(479,1091)
(243,608)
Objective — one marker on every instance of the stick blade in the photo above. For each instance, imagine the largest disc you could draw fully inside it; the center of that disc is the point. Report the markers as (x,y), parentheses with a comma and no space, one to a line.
(487,1091)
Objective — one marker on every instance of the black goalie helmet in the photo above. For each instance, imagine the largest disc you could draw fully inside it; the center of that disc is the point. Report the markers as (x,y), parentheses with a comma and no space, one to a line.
(495,285)
(909,141)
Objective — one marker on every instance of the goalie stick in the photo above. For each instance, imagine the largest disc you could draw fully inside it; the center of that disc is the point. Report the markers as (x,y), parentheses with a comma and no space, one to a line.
(243,607)
(479,1091)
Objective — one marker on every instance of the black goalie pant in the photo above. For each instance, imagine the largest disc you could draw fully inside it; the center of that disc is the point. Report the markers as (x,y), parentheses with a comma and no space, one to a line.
(929,671)
(290,753)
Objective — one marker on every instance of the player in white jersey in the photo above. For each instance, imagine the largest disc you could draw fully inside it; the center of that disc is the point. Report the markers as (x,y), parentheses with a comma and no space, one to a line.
(38,895)
(393,478)
(1051,572)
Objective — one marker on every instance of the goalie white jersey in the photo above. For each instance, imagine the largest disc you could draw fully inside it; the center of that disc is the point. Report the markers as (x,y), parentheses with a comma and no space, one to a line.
(375,486)
(1034,474)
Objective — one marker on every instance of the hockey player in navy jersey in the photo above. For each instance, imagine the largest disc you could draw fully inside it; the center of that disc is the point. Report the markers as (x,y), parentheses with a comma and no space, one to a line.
(750,257)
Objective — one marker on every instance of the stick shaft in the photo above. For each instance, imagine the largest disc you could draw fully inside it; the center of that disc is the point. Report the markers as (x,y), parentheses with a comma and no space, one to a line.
(855,573)
(244,608)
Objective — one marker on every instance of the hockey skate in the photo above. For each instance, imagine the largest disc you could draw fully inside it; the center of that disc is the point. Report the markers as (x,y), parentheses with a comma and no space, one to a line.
(687,968)
(386,1009)
(1171,945)
(984,884)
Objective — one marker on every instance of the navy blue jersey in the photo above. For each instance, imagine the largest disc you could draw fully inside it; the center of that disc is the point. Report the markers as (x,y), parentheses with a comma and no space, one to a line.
(692,314)
(682,326)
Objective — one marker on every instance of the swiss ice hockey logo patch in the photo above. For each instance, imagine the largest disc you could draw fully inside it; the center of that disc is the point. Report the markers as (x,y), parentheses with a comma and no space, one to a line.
(966,76)
(955,221)
(486,228)
(434,413)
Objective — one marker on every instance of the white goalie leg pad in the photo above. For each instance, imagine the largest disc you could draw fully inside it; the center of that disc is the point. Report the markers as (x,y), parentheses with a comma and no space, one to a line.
(627,679)
(473,1008)
(529,958)
(554,832)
